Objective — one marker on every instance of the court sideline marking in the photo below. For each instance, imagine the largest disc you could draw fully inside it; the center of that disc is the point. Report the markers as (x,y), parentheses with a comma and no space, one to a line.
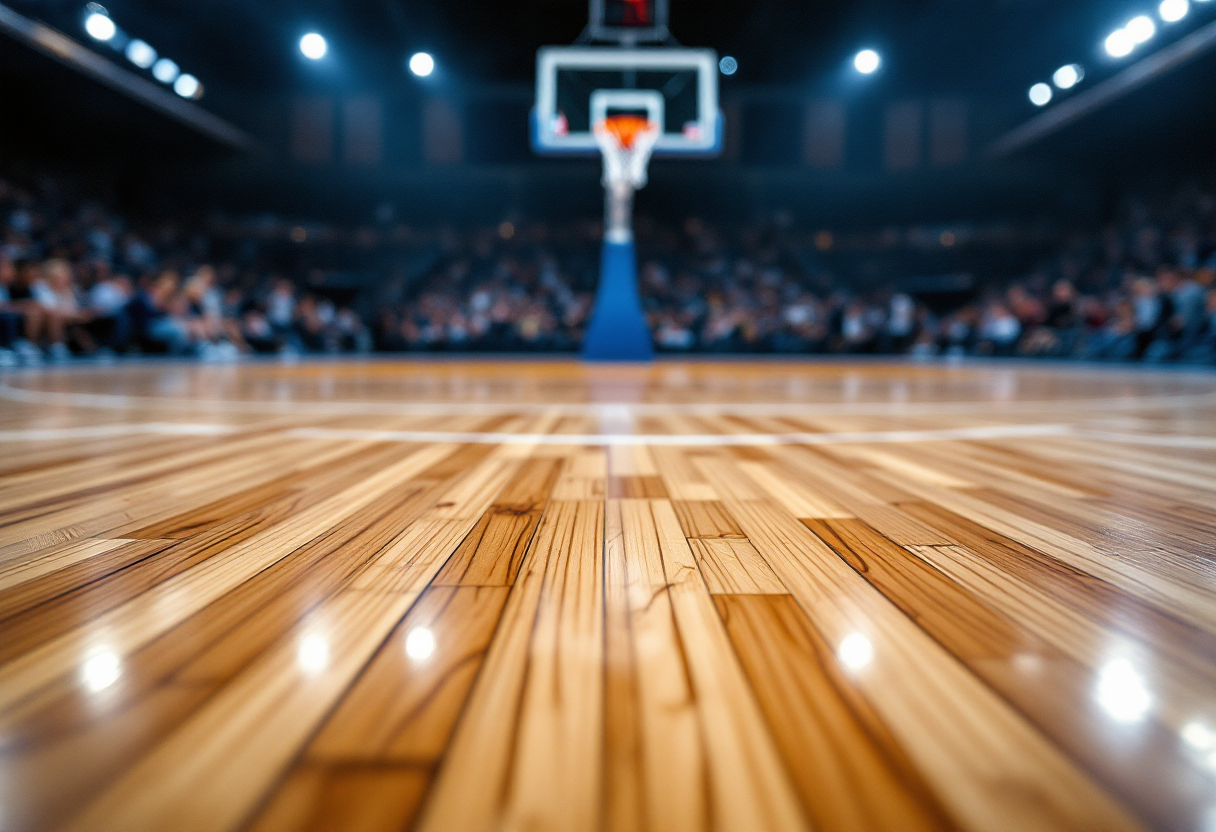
(619,439)
(110,431)
(109,401)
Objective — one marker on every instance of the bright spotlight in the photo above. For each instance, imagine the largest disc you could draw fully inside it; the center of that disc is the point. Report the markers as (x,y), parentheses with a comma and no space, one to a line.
(728,65)
(1141,28)
(866,61)
(422,64)
(1171,11)
(313,46)
(1040,95)
(1119,44)
(165,71)
(141,54)
(187,86)
(1068,76)
(99,26)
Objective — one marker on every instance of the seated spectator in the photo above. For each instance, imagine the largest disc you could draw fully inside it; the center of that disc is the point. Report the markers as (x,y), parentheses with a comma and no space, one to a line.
(352,336)
(1118,339)
(1203,349)
(10,318)
(24,315)
(107,301)
(1188,300)
(65,317)
(311,327)
(959,332)
(212,335)
(1153,311)
(855,329)
(257,332)
(280,311)
(901,323)
(156,318)
(999,331)
(1058,333)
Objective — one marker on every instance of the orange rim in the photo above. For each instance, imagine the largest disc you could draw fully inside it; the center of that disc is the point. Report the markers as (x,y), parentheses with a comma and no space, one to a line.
(626,128)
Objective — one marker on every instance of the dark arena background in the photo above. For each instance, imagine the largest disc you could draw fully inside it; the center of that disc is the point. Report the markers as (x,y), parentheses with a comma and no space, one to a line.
(622,416)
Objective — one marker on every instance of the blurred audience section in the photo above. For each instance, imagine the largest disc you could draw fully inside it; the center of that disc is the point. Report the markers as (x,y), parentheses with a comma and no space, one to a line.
(79,279)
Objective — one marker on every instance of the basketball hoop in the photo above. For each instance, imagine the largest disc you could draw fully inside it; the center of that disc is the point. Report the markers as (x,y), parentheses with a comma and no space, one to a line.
(626,104)
(626,142)
(626,127)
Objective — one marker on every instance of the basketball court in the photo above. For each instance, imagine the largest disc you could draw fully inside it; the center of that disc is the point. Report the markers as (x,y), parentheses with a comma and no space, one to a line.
(294,586)
(572,596)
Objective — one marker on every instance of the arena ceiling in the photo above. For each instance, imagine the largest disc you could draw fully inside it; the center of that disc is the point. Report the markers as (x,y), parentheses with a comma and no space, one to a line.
(993,47)
(246,53)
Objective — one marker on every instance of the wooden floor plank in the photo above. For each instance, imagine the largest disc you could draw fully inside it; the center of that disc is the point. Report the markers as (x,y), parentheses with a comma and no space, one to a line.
(145,617)
(210,772)
(62,730)
(383,742)
(93,585)
(559,733)
(492,553)
(242,739)
(850,772)
(657,770)
(705,519)
(734,567)
(1187,601)
(928,701)
(749,787)
(474,775)
(1056,696)
(535,595)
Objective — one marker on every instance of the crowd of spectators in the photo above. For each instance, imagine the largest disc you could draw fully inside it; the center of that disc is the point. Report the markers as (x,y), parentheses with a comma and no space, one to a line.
(1141,289)
(78,281)
(82,281)
(505,289)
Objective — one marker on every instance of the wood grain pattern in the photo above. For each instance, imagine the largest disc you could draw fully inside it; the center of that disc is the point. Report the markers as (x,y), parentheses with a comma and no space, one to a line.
(748,787)
(551,596)
(849,770)
(375,755)
(655,774)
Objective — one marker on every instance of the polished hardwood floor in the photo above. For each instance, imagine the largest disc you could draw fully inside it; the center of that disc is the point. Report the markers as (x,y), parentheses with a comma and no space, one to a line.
(550,596)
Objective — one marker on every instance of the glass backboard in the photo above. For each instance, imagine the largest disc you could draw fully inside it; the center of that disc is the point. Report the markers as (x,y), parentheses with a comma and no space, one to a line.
(674,87)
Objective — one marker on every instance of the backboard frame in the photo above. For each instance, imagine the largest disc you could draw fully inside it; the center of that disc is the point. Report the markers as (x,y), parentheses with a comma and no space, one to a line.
(547,140)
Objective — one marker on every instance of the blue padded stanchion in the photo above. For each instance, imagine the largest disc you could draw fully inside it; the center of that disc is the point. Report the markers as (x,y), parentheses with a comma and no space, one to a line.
(618,329)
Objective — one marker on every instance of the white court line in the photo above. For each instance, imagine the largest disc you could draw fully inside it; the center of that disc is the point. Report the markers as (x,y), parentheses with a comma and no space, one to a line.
(885,436)
(689,440)
(108,431)
(1162,441)
(107,401)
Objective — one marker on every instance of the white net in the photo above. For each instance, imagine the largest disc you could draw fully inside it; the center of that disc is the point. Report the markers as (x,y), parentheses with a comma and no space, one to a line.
(626,159)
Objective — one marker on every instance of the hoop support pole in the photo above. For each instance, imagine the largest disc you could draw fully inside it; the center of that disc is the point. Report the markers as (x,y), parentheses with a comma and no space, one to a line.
(617,330)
